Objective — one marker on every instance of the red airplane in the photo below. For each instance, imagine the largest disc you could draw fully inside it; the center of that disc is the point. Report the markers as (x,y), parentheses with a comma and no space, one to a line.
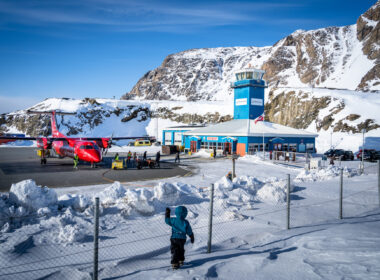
(88,149)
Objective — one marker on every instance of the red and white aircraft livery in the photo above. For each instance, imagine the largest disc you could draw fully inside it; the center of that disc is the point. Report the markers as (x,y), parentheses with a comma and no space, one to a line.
(89,149)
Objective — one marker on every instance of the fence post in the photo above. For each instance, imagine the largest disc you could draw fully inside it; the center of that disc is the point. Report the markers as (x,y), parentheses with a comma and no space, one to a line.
(210,219)
(288,203)
(233,167)
(96,238)
(378,179)
(341,195)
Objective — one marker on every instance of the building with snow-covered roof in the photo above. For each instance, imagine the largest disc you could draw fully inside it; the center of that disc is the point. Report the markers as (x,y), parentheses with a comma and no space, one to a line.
(174,135)
(248,132)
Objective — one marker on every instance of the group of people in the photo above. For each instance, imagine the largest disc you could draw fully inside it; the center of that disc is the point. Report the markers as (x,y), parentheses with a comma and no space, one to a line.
(134,157)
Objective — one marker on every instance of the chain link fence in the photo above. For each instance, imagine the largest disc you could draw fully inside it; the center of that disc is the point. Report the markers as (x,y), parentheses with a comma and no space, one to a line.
(133,237)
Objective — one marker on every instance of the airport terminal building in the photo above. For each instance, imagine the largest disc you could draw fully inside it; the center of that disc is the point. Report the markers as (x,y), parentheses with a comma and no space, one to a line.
(246,133)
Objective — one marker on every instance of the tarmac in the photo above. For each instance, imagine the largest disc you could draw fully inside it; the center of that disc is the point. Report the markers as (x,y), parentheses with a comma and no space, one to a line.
(21,163)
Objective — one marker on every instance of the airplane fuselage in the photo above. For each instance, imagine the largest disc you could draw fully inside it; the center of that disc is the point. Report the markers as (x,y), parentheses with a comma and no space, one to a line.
(87,151)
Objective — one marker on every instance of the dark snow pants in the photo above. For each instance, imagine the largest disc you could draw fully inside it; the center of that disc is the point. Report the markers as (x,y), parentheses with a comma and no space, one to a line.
(177,248)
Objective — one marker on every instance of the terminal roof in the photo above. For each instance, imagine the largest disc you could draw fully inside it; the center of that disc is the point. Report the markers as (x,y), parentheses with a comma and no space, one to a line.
(247,127)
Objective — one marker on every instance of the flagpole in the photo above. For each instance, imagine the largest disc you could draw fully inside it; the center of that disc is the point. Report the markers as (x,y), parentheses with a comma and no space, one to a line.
(263,142)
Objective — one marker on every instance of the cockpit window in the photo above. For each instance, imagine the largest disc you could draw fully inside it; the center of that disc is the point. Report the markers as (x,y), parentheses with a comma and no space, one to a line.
(86,147)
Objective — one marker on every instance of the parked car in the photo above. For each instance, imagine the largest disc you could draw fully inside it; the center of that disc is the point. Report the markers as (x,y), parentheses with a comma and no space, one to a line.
(339,153)
(141,142)
(348,155)
(377,155)
(369,154)
(335,153)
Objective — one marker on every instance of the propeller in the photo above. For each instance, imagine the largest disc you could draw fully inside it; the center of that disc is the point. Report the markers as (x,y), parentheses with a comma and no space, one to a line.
(109,144)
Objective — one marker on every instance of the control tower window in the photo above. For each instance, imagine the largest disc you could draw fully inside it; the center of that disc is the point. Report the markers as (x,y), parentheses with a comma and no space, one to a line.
(249,75)
(242,76)
(237,77)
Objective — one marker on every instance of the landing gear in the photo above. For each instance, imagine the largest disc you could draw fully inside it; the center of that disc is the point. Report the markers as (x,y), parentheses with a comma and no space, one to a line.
(43,153)
(93,165)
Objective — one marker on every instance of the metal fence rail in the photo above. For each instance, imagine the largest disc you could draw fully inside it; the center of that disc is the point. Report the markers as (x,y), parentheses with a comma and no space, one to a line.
(141,239)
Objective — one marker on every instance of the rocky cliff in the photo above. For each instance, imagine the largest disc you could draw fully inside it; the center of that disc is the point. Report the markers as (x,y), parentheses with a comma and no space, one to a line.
(336,57)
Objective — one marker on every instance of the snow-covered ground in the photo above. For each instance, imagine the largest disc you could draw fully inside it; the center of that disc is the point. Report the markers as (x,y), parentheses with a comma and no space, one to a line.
(47,233)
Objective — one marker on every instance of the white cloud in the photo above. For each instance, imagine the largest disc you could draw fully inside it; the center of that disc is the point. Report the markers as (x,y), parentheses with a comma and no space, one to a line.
(132,15)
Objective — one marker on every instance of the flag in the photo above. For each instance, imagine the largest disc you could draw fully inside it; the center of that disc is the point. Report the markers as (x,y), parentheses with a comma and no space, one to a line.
(260,118)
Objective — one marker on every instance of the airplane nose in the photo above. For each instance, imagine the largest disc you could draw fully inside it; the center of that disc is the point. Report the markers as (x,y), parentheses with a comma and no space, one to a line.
(95,157)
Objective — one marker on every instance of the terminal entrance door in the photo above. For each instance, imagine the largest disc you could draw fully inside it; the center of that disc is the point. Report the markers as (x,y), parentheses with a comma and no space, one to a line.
(193,146)
(227,148)
(277,147)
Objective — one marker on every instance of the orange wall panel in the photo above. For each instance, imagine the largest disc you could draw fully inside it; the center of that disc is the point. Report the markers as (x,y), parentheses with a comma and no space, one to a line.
(240,149)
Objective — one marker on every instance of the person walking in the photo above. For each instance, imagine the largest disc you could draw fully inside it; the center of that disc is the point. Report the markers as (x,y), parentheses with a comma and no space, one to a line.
(158,156)
(144,156)
(177,157)
(180,228)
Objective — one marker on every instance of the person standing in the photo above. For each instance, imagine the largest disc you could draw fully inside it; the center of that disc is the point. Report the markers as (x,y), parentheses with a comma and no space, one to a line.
(117,156)
(158,156)
(144,156)
(180,229)
(214,152)
(177,157)
(76,160)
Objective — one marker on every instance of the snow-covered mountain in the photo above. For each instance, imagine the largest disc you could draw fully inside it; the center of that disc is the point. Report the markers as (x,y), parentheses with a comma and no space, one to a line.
(335,57)
(325,80)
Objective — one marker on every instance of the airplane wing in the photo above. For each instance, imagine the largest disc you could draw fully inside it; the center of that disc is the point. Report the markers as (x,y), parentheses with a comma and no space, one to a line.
(17,138)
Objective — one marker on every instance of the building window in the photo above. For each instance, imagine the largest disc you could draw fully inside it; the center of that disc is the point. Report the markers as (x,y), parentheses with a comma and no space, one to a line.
(309,147)
(220,146)
(293,147)
(249,75)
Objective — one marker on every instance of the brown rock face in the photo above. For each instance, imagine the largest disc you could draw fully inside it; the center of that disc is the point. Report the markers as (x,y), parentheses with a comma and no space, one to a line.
(294,109)
(368,31)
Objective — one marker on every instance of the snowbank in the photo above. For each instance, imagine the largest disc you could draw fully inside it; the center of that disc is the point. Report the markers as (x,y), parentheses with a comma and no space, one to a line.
(324,174)
(29,195)
(247,189)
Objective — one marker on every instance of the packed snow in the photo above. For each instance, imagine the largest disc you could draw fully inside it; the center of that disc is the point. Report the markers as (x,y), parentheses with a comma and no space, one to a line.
(47,233)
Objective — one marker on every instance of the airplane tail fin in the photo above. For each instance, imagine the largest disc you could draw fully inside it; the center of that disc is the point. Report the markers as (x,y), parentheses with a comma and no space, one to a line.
(54,127)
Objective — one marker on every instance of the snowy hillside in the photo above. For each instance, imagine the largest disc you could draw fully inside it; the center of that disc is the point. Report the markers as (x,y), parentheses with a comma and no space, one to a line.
(338,121)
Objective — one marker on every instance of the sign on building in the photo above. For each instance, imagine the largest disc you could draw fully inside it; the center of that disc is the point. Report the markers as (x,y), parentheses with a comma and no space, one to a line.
(241,101)
(256,102)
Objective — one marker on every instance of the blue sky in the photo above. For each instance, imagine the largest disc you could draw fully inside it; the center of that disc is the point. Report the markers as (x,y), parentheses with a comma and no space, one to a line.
(100,48)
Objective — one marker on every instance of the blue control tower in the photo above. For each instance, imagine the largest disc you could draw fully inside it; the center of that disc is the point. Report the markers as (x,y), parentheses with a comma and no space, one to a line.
(248,93)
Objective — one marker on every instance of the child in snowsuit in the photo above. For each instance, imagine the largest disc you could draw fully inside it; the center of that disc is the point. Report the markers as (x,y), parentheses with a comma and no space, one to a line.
(180,228)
